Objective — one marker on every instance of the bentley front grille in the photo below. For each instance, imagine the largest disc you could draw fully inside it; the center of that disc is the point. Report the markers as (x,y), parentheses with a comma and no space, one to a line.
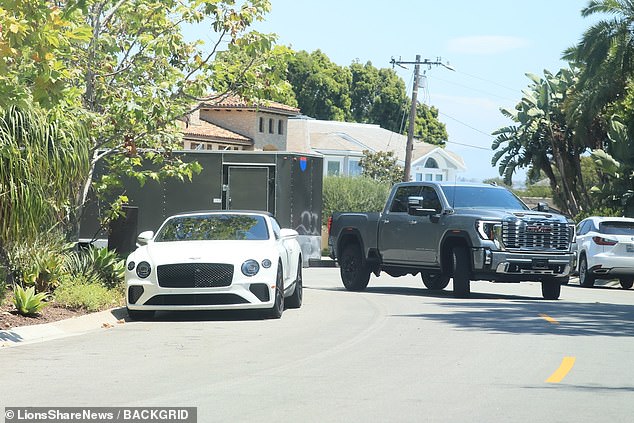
(536,236)
(194,275)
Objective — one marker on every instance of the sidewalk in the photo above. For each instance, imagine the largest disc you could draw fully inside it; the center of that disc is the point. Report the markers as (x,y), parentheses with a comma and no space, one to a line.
(75,326)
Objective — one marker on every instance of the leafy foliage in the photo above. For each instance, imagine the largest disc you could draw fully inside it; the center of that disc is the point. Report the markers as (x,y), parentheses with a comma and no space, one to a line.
(543,140)
(27,302)
(96,265)
(353,194)
(42,163)
(38,262)
(381,166)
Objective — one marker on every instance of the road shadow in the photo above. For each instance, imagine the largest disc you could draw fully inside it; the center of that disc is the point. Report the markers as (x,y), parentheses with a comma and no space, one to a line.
(520,314)
(203,316)
(10,336)
(528,317)
(424,292)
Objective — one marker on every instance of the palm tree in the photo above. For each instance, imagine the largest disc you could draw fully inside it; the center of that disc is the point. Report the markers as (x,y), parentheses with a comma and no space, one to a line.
(605,57)
(543,141)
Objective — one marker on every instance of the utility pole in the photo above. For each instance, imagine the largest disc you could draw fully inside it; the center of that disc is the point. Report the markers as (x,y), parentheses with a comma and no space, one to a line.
(412,112)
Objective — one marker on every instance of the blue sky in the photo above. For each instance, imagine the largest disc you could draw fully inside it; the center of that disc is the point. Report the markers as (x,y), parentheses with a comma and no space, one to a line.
(491,44)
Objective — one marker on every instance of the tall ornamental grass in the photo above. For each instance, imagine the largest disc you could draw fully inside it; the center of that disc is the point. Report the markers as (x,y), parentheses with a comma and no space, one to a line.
(44,160)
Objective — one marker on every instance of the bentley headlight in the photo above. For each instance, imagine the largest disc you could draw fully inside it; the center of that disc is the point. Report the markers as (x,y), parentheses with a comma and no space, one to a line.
(143,269)
(250,268)
(131,265)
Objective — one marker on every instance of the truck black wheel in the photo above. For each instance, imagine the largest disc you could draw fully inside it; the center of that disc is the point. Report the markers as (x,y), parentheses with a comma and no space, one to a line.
(435,281)
(461,270)
(626,283)
(355,273)
(551,288)
(585,277)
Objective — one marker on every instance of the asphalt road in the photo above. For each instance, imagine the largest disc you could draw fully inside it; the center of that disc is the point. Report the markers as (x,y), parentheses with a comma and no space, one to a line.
(394,353)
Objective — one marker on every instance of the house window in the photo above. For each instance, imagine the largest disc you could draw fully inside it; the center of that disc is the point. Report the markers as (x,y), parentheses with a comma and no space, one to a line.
(280,127)
(439,177)
(353,167)
(333,168)
(431,163)
(429,177)
(270,126)
(419,177)
(261,124)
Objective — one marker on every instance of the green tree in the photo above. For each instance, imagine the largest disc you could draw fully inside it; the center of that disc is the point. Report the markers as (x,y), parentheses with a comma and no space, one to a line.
(543,141)
(128,67)
(381,166)
(321,87)
(427,127)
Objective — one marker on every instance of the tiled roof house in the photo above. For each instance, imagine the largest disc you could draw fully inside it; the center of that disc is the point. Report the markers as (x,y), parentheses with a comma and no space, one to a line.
(230,123)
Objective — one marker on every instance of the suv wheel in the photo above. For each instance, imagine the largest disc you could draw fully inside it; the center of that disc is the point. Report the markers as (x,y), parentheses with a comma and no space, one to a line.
(626,283)
(461,269)
(585,277)
(355,272)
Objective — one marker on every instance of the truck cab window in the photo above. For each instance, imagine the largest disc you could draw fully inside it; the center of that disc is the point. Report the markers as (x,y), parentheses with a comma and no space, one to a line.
(400,201)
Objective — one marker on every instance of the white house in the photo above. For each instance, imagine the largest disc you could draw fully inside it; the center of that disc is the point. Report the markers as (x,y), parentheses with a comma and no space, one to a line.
(342,145)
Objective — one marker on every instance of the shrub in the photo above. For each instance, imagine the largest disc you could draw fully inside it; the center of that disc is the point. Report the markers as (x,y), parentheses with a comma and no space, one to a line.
(27,302)
(353,194)
(108,265)
(38,263)
(96,265)
(80,293)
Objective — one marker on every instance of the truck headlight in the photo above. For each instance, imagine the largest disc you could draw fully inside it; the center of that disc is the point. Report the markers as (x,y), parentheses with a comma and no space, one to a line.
(491,230)
(486,228)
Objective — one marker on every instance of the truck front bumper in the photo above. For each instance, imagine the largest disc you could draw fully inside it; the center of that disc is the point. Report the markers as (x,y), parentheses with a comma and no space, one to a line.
(491,264)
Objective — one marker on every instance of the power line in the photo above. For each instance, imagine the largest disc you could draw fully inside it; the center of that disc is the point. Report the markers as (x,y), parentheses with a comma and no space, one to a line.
(469,145)
(476,90)
(465,124)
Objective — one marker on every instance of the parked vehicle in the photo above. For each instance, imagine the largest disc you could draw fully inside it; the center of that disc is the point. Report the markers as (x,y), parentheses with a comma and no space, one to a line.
(461,231)
(219,260)
(605,250)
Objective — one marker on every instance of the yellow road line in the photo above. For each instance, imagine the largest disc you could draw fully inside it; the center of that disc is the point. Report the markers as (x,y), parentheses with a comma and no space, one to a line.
(562,371)
(549,319)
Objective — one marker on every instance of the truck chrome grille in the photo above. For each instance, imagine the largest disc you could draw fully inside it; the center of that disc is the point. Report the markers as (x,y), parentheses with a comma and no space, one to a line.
(536,235)
(194,275)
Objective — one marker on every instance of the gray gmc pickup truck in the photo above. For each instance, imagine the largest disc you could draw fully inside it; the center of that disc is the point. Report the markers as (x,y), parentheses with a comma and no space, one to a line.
(454,230)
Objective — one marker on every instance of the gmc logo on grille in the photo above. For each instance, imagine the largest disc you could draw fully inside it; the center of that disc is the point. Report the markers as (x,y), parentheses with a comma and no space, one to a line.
(537,229)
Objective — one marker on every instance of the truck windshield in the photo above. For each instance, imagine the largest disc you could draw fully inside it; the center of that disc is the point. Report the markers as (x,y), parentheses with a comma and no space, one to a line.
(482,197)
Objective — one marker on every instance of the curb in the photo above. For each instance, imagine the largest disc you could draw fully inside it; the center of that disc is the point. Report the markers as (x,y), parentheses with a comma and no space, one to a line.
(24,335)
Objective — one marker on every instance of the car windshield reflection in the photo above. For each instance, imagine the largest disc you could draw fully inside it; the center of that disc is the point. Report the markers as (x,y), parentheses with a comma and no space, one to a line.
(217,227)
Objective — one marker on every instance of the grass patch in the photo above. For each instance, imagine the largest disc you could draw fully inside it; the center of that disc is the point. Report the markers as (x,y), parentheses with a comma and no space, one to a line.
(79,293)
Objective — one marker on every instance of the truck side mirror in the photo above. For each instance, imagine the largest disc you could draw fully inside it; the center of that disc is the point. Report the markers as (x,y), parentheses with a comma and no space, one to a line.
(415,207)
(543,207)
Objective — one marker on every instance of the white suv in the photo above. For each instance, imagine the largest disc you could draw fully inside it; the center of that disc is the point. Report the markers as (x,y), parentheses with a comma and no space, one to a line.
(605,250)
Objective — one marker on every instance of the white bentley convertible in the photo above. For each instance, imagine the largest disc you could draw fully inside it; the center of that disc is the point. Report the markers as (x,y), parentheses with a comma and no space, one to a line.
(218,260)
